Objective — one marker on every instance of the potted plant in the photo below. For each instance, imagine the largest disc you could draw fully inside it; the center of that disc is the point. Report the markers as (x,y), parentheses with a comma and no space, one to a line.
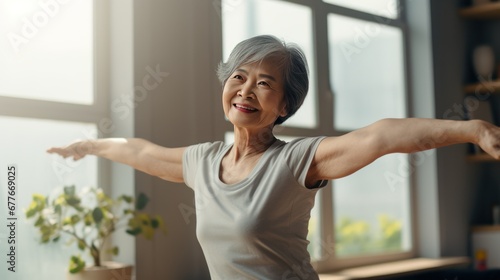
(89,218)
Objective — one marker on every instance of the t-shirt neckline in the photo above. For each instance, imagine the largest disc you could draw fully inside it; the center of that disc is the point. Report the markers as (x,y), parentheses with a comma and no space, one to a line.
(252,174)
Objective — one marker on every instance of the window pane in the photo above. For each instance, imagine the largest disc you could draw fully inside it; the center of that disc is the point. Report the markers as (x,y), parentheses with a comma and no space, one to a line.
(386,8)
(372,209)
(287,21)
(314,235)
(367,72)
(24,142)
(47,54)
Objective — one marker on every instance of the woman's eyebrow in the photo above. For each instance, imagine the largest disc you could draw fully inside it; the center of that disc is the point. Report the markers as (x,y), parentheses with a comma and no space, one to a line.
(268,76)
(260,75)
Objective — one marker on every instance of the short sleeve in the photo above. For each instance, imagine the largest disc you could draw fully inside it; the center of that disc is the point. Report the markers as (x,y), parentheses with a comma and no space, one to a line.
(190,161)
(299,156)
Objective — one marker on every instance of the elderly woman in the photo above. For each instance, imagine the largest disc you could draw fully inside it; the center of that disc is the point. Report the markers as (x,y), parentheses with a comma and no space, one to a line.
(254,197)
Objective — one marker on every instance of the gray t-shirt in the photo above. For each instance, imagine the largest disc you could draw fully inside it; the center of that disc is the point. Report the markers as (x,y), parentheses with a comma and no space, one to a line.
(256,228)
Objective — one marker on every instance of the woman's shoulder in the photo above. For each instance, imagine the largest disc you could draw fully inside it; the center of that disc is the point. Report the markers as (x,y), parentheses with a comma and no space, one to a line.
(205,150)
(301,142)
(297,147)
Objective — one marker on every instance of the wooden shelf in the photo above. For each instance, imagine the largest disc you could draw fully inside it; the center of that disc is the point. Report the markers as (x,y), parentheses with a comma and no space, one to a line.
(486,11)
(487,87)
(486,228)
(395,269)
(480,158)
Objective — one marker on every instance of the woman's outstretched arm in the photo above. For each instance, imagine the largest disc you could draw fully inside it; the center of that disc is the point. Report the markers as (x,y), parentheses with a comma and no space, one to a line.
(337,157)
(140,154)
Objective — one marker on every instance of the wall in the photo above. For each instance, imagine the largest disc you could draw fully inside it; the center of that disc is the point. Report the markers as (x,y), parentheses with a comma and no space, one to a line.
(421,81)
(453,191)
(178,37)
(120,38)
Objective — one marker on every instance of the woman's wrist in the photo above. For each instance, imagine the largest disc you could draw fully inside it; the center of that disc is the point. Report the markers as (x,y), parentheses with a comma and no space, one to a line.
(88,147)
(478,130)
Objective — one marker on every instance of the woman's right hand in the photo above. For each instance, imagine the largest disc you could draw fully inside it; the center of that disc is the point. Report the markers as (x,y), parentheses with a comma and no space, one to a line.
(162,162)
(77,150)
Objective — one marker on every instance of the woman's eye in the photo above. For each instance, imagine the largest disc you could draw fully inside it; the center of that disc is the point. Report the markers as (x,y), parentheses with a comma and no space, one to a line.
(237,77)
(264,84)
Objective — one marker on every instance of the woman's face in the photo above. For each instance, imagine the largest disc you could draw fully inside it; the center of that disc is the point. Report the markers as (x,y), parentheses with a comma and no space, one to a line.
(253,96)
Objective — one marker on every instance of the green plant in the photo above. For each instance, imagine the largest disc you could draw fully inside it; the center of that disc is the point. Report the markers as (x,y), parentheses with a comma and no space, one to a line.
(355,237)
(89,218)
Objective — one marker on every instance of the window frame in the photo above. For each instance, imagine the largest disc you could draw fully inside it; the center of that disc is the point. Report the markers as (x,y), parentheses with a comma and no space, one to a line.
(325,126)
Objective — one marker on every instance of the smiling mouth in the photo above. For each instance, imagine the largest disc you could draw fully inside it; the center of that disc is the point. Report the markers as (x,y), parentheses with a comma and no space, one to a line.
(244,108)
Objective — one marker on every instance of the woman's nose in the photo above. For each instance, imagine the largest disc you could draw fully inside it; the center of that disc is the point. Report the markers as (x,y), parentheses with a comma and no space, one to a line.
(246,92)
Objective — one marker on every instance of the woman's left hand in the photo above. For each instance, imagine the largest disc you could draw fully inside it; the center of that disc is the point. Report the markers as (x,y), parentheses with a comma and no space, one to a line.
(489,139)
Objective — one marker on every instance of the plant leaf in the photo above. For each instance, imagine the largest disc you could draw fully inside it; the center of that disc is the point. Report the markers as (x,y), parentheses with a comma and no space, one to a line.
(126,198)
(58,209)
(115,250)
(32,209)
(148,232)
(39,221)
(45,237)
(76,264)
(142,201)
(87,219)
(75,219)
(97,215)
(155,223)
(134,231)
(69,190)
(39,198)
(73,201)
(37,204)
(81,245)
(158,223)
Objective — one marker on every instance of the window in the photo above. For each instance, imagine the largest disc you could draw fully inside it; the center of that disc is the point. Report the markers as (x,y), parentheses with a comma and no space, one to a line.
(373,53)
(368,52)
(25,141)
(47,41)
(356,57)
(49,96)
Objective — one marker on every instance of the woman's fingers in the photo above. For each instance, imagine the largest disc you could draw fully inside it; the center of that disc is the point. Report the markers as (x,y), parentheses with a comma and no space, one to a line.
(68,151)
(490,141)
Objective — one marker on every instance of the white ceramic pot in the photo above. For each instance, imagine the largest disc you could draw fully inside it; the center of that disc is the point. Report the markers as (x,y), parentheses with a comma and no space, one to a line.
(109,271)
(484,61)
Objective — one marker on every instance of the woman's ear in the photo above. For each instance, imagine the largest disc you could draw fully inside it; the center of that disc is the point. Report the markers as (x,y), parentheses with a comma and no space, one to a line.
(283,112)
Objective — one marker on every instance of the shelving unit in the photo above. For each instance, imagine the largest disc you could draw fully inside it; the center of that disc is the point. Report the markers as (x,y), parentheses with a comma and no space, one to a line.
(482,12)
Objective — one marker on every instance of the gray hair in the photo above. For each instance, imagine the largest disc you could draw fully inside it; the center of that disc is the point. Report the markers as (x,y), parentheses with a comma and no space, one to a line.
(293,65)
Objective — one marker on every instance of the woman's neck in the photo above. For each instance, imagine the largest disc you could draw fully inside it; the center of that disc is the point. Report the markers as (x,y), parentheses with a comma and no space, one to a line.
(249,143)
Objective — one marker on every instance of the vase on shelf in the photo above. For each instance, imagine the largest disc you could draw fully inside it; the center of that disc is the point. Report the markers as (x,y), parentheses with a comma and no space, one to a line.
(483,58)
